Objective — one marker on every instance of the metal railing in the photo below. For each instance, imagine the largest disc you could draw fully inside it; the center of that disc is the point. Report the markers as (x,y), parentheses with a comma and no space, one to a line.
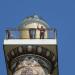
(31,33)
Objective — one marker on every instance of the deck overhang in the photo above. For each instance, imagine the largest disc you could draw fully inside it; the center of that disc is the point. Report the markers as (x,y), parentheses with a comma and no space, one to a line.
(30,41)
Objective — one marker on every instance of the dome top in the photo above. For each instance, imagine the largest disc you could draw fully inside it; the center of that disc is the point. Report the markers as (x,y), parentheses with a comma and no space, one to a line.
(32,19)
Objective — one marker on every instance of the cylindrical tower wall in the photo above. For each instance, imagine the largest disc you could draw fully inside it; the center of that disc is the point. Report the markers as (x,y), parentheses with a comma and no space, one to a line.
(25,33)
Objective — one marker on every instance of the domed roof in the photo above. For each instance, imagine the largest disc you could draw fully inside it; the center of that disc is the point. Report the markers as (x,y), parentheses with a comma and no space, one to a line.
(34,18)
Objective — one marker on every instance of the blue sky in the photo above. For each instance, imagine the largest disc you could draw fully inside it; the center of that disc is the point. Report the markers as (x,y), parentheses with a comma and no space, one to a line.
(57,13)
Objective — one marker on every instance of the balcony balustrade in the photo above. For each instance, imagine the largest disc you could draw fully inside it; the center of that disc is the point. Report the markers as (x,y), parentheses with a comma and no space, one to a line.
(30,33)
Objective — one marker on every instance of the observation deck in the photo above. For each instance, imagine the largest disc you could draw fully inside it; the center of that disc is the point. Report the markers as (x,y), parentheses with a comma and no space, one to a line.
(30,36)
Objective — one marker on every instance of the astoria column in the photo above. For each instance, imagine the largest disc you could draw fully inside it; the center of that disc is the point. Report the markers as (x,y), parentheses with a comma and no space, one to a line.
(31,48)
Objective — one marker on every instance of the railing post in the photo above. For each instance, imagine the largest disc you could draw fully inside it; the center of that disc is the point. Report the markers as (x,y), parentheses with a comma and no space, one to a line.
(55,35)
(8,34)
